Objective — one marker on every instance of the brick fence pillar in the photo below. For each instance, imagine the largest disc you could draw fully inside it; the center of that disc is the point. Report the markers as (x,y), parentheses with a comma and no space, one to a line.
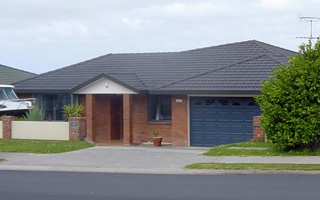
(258,134)
(77,128)
(7,126)
(127,119)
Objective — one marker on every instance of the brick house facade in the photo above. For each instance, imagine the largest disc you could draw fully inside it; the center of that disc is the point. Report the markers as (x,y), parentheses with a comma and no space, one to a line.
(131,124)
(199,97)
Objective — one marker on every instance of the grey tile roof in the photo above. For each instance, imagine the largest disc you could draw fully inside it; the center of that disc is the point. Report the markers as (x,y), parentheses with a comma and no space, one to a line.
(9,75)
(235,67)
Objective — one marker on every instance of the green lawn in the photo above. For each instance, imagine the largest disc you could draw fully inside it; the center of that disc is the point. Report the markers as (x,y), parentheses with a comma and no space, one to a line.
(223,150)
(254,166)
(41,146)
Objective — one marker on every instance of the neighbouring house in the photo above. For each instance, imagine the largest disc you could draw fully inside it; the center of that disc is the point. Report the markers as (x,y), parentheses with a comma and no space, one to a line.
(9,75)
(199,97)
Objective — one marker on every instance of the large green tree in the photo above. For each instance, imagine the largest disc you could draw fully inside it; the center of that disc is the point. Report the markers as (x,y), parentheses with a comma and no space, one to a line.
(291,101)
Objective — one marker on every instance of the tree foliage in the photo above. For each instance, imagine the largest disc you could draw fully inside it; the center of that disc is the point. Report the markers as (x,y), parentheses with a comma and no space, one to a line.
(291,101)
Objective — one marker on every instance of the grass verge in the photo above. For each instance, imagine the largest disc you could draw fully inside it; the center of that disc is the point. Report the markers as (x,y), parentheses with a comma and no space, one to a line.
(254,166)
(224,150)
(41,146)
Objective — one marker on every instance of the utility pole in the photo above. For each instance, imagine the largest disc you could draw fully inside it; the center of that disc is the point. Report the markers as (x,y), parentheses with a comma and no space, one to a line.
(311,20)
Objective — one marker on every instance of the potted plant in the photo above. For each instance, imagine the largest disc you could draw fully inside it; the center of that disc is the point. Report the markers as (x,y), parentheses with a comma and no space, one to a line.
(156,139)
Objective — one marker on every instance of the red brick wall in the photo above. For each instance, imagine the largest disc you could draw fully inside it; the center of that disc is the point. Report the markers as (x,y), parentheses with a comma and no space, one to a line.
(101,118)
(180,120)
(7,126)
(24,95)
(258,134)
(77,128)
(136,127)
(90,101)
(127,119)
(82,101)
(141,126)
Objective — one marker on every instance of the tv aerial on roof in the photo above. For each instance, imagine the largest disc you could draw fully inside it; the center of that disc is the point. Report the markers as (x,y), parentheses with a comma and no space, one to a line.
(311,20)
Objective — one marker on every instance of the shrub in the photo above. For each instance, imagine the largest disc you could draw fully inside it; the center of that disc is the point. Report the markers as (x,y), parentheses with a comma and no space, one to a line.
(72,111)
(34,115)
(291,102)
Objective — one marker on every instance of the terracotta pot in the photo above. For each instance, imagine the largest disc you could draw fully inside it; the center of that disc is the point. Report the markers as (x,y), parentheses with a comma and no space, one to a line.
(157,141)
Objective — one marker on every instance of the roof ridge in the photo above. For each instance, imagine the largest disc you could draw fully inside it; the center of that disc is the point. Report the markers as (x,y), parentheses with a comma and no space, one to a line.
(17,69)
(272,53)
(140,81)
(220,45)
(259,43)
(211,70)
(134,74)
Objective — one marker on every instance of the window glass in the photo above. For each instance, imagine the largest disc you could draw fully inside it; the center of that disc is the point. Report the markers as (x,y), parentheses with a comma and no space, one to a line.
(209,102)
(236,103)
(2,95)
(252,103)
(10,93)
(223,102)
(159,107)
(52,105)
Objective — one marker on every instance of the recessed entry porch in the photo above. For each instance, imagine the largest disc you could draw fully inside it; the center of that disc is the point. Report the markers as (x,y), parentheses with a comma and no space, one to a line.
(107,108)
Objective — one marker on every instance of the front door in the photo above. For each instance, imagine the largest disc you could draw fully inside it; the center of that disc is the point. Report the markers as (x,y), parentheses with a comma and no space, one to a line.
(116,117)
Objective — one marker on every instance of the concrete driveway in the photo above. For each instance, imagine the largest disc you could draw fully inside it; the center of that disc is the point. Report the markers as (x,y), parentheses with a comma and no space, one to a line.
(109,157)
(135,159)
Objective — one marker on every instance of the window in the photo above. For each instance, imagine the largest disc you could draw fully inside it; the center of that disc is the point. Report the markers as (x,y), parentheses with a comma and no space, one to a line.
(52,105)
(159,108)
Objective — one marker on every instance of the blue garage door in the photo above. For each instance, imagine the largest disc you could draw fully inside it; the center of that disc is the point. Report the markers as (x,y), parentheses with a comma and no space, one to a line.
(217,120)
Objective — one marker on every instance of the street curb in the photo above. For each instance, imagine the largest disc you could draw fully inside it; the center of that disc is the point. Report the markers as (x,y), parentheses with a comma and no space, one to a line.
(155,171)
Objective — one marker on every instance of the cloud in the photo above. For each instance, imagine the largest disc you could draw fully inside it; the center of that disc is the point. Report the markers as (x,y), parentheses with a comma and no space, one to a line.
(69,31)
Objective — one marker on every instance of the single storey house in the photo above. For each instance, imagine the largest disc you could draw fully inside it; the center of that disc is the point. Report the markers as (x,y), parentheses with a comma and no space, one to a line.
(199,97)
(9,75)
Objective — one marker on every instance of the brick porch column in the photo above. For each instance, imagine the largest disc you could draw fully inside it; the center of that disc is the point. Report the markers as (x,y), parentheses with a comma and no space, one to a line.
(127,119)
(258,134)
(77,128)
(7,126)
(90,100)
(179,120)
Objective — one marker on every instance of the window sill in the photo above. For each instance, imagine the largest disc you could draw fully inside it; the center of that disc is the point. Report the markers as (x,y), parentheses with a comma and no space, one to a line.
(159,123)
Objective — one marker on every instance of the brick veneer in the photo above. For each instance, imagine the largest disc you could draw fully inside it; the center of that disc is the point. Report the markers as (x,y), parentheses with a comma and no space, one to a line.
(179,120)
(136,127)
(7,126)
(258,134)
(89,116)
(77,128)
(142,127)
(127,119)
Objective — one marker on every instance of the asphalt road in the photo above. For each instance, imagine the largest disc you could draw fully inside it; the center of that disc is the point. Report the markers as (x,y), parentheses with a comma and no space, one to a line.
(28,185)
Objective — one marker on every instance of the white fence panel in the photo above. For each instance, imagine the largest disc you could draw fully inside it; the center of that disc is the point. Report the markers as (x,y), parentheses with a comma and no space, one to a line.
(1,134)
(39,130)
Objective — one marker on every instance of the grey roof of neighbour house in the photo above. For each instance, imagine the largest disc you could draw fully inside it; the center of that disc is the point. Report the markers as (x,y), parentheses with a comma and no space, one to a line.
(9,75)
(236,68)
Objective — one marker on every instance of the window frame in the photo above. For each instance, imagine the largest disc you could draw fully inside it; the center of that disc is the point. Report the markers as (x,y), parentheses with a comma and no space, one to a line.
(150,98)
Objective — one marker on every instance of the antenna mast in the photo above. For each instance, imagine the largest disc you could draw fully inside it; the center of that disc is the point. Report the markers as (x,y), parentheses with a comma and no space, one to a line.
(311,20)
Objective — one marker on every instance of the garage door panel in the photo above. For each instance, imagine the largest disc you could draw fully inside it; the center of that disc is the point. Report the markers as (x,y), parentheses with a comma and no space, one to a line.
(222,121)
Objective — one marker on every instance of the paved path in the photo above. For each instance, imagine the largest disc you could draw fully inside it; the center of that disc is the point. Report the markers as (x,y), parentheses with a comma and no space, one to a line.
(137,159)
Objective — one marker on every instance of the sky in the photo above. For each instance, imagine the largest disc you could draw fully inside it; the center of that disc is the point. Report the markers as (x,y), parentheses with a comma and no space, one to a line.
(44,35)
